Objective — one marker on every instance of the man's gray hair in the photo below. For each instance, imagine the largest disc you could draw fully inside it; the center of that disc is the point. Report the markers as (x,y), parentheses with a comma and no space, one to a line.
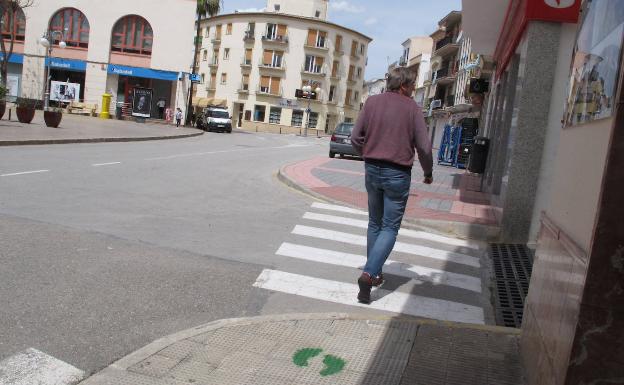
(398,77)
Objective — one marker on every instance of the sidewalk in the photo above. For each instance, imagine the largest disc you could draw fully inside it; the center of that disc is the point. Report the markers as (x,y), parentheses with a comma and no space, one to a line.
(83,129)
(324,349)
(452,204)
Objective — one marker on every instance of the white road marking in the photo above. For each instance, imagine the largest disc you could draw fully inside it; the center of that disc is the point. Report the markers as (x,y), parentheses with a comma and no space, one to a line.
(345,293)
(32,367)
(418,273)
(399,246)
(227,151)
(25,172)
(104,164)
(404,232)
(342,209)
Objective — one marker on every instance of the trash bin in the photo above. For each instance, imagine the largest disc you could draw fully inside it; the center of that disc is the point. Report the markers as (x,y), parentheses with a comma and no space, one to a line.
(478,155)
(119,111)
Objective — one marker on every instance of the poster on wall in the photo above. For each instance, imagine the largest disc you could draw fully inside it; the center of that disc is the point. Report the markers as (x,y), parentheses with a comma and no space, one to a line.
(595,62)
(64,91)
(13,85)
(142,102)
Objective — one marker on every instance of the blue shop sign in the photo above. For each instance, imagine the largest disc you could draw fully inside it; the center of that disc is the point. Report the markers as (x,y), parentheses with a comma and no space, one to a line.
(66,64)
(142,72)
(15,58)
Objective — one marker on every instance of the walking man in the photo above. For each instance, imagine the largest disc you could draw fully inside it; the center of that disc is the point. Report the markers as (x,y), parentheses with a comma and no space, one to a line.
(390,126)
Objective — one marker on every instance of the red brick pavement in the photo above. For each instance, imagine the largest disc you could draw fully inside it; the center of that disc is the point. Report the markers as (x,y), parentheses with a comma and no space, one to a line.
(469,206)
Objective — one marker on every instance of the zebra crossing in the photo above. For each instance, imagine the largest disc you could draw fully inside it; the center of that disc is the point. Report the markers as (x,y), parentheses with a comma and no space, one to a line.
(427,275)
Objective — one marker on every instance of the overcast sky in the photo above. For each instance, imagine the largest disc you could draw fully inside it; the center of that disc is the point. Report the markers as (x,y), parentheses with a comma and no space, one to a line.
(388,22)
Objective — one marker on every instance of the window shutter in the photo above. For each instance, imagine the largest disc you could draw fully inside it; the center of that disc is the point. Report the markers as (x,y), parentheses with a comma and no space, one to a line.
(267,57)
(320,61)
(248,53)
(311,37)
(275,86)
(264,81)
(218,34)
(281,30)
(338,42)
(245,78)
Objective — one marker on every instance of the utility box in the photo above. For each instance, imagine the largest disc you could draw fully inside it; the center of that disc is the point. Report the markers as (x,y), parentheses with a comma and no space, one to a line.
(478,155)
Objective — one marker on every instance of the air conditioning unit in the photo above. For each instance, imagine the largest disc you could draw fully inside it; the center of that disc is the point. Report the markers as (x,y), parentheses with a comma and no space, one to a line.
(436,103)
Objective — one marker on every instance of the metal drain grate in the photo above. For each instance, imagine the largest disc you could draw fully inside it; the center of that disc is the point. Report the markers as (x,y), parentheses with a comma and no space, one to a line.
(512,273)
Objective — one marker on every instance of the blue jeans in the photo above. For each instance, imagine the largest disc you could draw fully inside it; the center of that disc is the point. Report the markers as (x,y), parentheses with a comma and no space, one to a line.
(388,190)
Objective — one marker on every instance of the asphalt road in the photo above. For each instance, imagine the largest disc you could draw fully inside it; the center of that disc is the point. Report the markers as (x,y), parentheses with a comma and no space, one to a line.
(106,247)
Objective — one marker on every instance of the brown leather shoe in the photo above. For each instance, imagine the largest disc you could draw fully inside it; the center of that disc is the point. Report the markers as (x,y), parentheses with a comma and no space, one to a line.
(365,282)
(378,280)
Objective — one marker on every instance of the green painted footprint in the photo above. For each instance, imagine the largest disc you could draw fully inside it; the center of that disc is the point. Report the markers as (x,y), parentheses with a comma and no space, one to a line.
(332,364)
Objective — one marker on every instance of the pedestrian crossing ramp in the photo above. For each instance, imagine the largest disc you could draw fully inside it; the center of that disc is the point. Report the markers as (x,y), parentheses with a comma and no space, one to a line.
(427,275)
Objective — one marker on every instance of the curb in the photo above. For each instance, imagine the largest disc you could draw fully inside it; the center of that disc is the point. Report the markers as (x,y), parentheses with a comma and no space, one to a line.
(94,140)
(143,353)
(456,229)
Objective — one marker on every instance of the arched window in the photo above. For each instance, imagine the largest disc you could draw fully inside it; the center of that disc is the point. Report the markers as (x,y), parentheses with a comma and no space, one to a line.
(132,34)
(74,26)
(18,29)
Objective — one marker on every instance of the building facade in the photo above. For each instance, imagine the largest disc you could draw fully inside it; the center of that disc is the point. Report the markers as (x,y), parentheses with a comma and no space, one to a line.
(112,47)
(254,63)
(417,57)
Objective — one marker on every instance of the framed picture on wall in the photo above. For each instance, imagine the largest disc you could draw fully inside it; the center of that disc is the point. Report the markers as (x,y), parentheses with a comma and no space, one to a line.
(595,62)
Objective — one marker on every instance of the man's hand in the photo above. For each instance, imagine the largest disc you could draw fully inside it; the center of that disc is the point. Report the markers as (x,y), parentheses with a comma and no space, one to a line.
(428,180)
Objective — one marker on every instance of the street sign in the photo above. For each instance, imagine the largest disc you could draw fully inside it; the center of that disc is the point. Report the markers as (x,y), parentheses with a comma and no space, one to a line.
(195,78)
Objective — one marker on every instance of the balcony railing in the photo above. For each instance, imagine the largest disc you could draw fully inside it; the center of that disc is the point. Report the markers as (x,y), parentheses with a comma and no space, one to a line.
(214,62)
(336,76)
(268,92)
(245,62)
(211,86)
(216,39)
(322,46)
(314,70)
(444,42)
(249,36)
(338,51)
(243,88)
(279,39)
(280,66)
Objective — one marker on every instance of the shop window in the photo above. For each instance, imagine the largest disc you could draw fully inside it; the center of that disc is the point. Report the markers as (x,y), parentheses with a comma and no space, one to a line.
(297,118)
(275,115)
(313,119)
(133,35)
(259,113)
(19,25)
(74,26)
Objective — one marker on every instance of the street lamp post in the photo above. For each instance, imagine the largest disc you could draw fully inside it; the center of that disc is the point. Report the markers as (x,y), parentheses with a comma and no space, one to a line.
(47,41)
(307,93)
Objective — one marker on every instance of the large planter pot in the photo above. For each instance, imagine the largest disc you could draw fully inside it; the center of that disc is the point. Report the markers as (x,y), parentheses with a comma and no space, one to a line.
(2,108)
(52,118)
(25,114)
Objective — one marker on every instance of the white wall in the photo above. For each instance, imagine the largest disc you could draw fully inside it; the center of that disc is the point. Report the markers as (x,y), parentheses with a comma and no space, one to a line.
(306,8)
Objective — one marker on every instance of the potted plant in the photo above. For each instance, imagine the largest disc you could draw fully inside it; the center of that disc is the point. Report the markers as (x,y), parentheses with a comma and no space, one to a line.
(25,109)
(52,116)
(3,92)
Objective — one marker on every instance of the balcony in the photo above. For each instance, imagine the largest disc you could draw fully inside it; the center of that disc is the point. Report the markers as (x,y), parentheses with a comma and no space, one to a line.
(211,86)
(314,70)
(449,101)
(335,76)
(275,39)
(213,63)
(246,63)
(355,54)
(249,37)
(402,62)
(446,46)
(338,51)
(319,46)
(277,65)
(243,88)
(444,76)
(216,40)
(352,79)
(267,91)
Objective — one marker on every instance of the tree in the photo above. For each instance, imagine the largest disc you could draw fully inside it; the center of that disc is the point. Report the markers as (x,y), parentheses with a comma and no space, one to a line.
(10,11)
(204,8)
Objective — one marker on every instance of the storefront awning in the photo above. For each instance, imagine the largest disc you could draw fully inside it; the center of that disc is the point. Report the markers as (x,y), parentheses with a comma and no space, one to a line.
(16,58)
(66,64)
(139,72)
(205,102)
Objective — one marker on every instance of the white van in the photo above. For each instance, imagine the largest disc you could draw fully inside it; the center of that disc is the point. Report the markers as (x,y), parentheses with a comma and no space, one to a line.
(215,119)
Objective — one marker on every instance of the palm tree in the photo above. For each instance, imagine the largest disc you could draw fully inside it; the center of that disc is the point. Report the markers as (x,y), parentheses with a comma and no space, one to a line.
(204,8)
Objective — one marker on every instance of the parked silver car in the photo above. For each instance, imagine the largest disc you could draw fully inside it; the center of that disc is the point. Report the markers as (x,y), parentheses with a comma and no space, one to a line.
(341,141)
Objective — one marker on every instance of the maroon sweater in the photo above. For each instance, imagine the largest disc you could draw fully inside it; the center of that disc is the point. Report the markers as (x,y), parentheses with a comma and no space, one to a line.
(388,129)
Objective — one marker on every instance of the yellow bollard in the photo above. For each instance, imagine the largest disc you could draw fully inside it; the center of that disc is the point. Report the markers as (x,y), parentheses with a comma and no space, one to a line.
(106,100)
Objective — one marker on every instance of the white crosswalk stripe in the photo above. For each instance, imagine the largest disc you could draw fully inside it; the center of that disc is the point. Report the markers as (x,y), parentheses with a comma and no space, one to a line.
(341,292)
(401,247)
(32,367)
(418,273)
(441,284)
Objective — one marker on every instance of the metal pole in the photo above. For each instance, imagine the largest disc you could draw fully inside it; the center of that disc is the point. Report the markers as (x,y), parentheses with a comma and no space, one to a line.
(46,101)
(308,122)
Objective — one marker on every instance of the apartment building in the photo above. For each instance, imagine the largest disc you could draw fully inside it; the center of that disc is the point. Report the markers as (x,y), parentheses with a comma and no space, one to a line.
(257,63)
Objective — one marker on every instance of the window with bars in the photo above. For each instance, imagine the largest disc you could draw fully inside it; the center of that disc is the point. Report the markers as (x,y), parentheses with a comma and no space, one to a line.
(74,26)
(134,35)
(297,118)
(226,54)
(19,25)
(313,119)
(275,115)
